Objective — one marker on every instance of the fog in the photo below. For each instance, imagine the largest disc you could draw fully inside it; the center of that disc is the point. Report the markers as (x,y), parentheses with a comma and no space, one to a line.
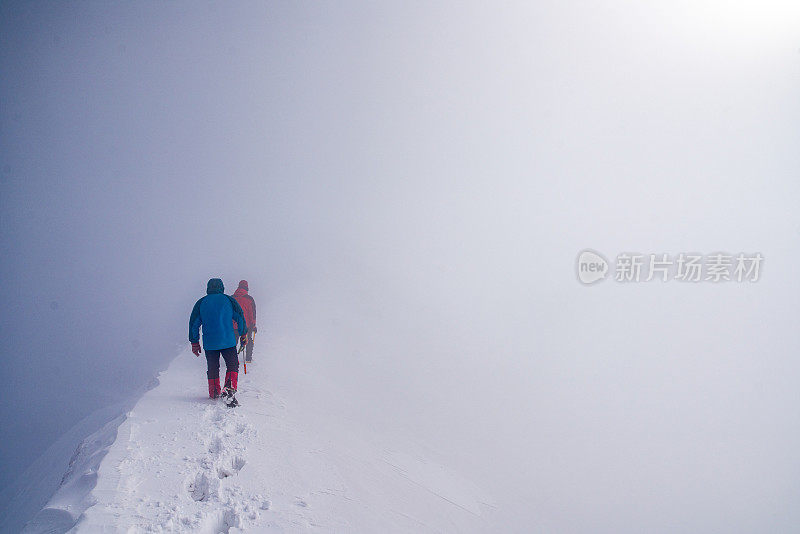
(406,187)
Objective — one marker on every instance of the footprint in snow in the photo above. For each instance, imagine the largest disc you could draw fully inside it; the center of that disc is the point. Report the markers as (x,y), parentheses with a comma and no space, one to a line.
(201,488)
(230,468)
(216,446)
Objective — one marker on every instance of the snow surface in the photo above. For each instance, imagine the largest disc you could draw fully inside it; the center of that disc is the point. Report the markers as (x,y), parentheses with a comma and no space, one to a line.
(181,462)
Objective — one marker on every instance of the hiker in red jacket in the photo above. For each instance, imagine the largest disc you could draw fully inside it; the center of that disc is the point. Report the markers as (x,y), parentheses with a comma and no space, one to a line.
(249,308)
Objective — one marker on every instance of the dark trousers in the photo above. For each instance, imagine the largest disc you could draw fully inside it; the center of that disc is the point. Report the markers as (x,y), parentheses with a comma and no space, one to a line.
(248,350)
(231,361)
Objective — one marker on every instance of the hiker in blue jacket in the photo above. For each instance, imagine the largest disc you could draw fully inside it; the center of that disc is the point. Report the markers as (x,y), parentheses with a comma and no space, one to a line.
(216,313)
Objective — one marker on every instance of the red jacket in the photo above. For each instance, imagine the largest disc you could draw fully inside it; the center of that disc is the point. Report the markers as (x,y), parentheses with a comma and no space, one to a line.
(248,307)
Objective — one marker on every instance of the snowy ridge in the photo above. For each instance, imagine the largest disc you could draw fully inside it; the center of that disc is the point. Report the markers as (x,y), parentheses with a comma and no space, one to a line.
(65,506)
(180,462)
(74,494)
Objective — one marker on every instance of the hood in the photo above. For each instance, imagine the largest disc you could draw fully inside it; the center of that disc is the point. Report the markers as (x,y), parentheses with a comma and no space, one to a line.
(243,285)
(215,286)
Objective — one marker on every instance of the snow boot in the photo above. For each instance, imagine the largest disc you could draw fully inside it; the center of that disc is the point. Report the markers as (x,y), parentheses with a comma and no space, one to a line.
(229,391)
(229,397)
(232,379)
(213,388)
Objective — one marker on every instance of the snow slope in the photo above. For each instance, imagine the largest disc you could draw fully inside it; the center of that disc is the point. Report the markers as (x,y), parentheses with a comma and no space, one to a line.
(29,494)
(182,462)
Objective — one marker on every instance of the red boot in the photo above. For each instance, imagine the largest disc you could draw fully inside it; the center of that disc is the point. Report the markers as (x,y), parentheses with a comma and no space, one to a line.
(231,379)
(213,388)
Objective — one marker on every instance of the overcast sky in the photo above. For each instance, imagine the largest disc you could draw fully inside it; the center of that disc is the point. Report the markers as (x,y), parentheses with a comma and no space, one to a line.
(430,172)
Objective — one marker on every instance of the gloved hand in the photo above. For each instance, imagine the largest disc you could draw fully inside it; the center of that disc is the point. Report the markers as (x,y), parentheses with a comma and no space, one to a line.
(243,340)
(196,348)
(255,329)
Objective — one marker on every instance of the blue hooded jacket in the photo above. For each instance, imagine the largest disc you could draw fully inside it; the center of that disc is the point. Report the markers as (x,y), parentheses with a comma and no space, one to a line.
(215,313)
